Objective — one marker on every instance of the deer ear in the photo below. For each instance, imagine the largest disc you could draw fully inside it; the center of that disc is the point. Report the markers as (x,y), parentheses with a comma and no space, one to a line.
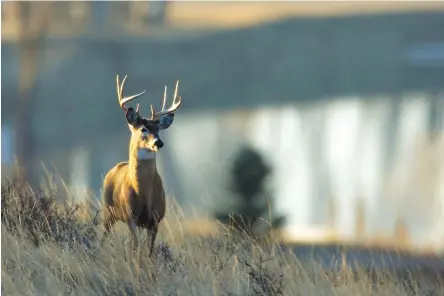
(132,117)
(165,121)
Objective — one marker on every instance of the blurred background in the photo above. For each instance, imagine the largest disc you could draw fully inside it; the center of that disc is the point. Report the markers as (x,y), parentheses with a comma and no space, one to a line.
(332,113)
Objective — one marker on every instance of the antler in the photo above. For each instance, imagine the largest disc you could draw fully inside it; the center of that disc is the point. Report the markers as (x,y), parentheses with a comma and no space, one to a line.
(121,99)
(176,103)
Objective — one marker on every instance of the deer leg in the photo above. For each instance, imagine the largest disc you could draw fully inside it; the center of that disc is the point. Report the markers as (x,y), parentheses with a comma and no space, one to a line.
(152,233)
(109,223)
(108,227)
(133,229)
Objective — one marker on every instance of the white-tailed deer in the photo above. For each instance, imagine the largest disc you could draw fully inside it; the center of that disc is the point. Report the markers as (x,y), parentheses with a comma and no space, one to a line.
(133,190)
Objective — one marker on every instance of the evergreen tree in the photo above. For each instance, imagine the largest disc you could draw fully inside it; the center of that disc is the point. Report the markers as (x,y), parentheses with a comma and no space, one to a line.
(253,201)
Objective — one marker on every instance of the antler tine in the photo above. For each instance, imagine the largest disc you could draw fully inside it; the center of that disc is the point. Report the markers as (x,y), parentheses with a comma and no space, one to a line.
(177,101)
(153,113)
(164,98)
(176,90)
(121,87)
(122,100)
(118,88)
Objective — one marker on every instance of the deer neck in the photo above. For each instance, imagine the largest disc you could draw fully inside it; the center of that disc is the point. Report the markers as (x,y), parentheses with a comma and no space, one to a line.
(142,168)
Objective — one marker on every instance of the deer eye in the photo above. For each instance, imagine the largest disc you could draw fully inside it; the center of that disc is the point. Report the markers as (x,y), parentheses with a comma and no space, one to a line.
(144,130)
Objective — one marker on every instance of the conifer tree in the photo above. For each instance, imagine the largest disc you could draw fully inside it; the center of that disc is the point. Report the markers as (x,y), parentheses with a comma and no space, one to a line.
(253,201)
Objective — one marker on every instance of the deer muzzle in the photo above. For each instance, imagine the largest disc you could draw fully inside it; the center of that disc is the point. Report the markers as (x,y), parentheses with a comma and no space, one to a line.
(158,143)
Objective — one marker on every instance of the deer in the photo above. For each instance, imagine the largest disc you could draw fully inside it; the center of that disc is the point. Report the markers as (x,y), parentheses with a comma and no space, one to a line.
(132,191)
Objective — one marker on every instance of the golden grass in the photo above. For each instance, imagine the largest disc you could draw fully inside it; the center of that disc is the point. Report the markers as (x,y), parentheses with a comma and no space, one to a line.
(215,264)
(221,14)
(199,15)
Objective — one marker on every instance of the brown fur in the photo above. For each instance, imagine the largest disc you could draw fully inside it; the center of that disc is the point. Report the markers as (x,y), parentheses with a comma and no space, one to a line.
(135,188)
(132,191)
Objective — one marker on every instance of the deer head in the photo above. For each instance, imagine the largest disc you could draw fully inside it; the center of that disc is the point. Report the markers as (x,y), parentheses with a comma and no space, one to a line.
(145,131)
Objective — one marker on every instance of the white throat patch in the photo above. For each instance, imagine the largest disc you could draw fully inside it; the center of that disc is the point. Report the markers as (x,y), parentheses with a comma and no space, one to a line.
(145,154)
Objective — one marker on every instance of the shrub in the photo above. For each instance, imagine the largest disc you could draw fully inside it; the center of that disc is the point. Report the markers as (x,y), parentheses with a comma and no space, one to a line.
(38,216)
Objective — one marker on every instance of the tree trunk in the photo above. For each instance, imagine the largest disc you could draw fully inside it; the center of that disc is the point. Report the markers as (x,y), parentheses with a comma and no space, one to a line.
(157,11)
(31,36)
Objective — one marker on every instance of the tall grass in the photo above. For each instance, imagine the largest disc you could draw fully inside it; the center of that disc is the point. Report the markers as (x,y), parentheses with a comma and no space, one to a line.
(50,249)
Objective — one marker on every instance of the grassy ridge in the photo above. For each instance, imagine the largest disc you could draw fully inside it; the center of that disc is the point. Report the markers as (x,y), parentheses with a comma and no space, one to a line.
(48,249)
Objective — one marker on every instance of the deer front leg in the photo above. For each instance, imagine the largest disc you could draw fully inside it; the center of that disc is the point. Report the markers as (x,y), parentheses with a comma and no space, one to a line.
(133,230)
(108,226)
(152,233)
(109,221)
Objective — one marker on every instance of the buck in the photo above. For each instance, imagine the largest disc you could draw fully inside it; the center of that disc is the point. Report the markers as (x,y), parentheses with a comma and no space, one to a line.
(132,191)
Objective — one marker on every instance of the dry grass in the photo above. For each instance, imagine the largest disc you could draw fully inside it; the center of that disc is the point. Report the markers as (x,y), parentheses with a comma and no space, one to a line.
(199,15)
(235,14)
(49,250)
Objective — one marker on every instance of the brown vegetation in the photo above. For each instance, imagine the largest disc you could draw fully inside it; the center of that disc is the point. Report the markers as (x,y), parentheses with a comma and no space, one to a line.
(68,262)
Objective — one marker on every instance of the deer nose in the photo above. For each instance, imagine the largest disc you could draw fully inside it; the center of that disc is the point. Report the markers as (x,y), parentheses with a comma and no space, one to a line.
(158,143)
